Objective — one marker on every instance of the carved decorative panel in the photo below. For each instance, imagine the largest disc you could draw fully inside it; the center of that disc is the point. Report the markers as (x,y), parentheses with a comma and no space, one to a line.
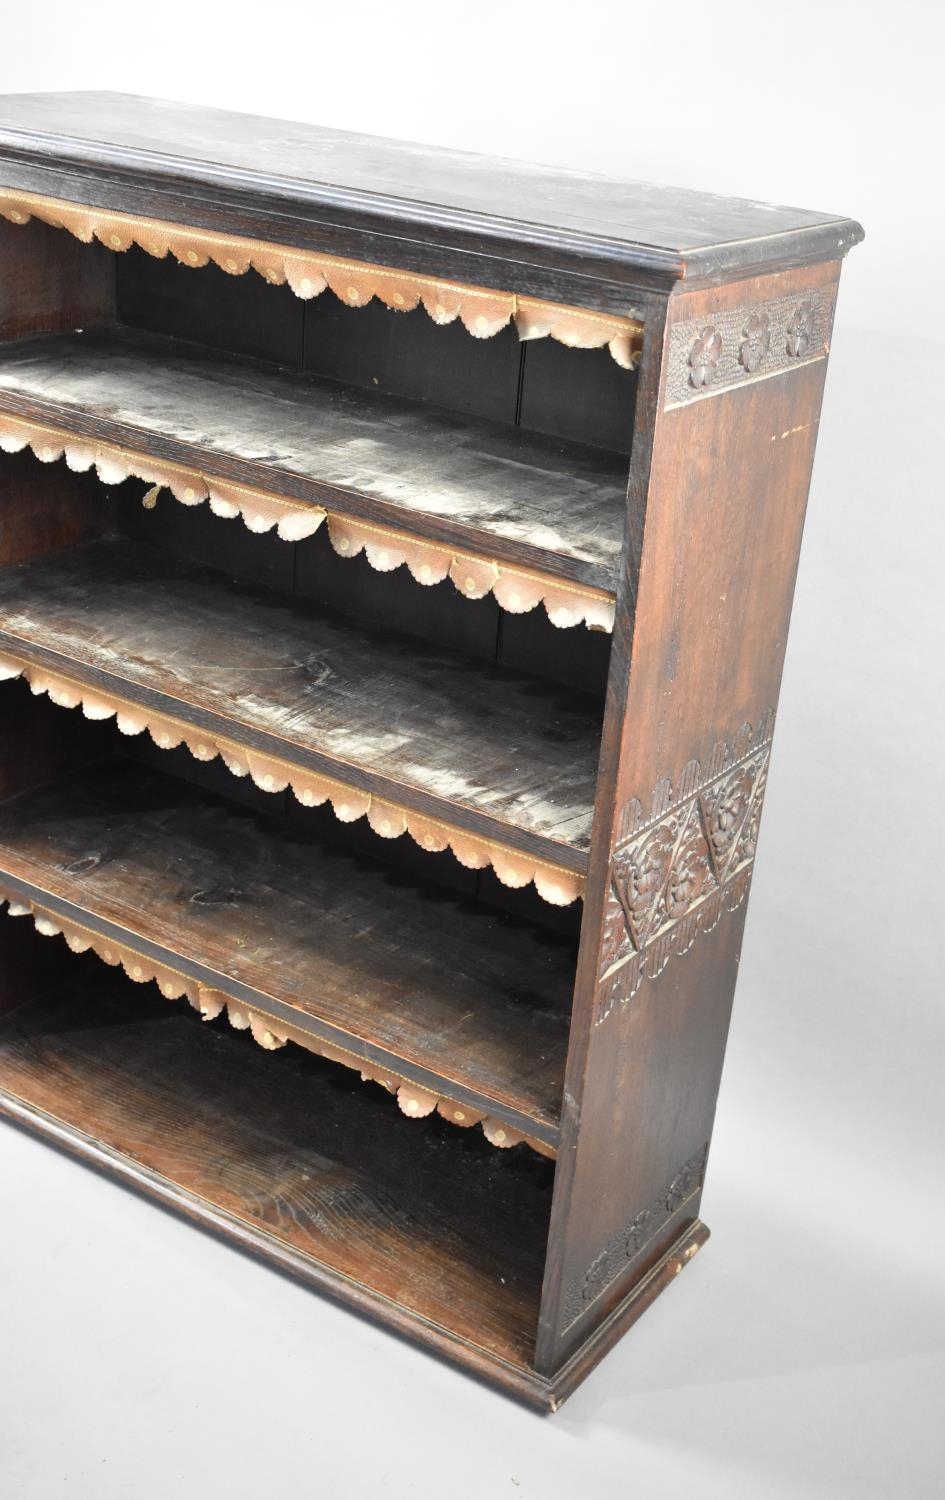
(627,1244)
(680,864)
(714,354)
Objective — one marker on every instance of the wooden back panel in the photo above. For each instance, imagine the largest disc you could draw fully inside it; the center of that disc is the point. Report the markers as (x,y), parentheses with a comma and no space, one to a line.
(51,282)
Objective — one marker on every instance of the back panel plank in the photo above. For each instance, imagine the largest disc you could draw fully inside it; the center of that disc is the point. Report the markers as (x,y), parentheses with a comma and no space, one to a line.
(240,314)
(51,282)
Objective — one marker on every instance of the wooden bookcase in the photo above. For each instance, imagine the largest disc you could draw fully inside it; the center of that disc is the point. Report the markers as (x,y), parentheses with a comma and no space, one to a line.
(396,556)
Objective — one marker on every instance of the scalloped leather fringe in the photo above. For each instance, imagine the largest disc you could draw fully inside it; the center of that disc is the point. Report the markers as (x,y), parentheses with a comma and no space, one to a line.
(482,312)
(271,774)
(516,590)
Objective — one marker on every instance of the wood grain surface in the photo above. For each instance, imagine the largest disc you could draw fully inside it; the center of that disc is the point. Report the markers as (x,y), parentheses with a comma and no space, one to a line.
(704,622)
(549,504)
(463,741)
(517,1268)
(553,215)
(448,1228)
(471,1002)
(52,283)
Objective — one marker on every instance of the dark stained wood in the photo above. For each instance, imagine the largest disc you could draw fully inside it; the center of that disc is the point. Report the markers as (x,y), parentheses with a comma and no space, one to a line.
(240,314)
(290,1152)
(543,386)
(407,354)
(550,216)
(36,746)
(44,508)
(29,967)
(608,1042)
(386,601)
(493,751)
(551,505)
(577,658)
(311,569)
(472,1004)
(213,777)
(436,1235)
(581,394)
(194,533)
(723,490)
(51,282)
(402,354)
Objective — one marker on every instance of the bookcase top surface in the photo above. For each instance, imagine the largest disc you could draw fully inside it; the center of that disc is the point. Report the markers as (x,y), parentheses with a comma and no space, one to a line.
(567,218)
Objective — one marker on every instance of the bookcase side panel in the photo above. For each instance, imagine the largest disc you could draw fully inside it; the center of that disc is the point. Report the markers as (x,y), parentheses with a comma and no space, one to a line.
(714,532)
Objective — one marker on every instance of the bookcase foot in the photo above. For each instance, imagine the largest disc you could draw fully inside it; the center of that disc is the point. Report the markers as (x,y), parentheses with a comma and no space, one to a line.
(552,1392)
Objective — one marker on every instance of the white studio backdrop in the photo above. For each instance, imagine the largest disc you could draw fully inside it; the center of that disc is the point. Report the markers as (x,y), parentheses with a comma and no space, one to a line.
(803,1354)
(832,105)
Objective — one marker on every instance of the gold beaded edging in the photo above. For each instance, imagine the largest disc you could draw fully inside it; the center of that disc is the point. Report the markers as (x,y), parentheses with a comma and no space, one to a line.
(413,1101)
(270,773)
(516,590)
(483,312)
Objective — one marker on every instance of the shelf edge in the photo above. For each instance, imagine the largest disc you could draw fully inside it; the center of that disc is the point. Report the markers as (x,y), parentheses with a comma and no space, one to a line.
(518,856)
(30,891)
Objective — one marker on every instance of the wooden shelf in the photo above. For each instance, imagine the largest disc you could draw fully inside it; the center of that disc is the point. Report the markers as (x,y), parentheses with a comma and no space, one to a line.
(466,744)
(289,1158)
(466,1004)
(541,503)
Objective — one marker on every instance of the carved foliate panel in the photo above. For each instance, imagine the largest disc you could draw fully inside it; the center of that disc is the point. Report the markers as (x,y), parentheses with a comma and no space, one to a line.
(583,1291)
(710,355)
(679,865)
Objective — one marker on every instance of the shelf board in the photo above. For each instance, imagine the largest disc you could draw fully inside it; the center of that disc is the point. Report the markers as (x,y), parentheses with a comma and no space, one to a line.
(432,1231)
(463,1002)
(502,493)
(468,744)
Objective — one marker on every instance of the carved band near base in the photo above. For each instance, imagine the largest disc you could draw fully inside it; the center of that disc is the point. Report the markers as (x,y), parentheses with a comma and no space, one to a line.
(583,1291)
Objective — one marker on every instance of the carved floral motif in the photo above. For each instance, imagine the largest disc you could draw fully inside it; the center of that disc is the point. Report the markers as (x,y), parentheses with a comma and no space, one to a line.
(724,809)
(749,835)
(638,882)
(756,341)
(704,357)
(800,331)
(689,873)
(743,344)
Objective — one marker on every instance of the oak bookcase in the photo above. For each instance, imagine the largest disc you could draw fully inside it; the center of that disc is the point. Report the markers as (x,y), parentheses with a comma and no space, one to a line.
(397,555)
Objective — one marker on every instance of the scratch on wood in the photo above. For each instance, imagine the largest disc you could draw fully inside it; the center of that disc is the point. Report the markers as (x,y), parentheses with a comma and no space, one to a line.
(802,427)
